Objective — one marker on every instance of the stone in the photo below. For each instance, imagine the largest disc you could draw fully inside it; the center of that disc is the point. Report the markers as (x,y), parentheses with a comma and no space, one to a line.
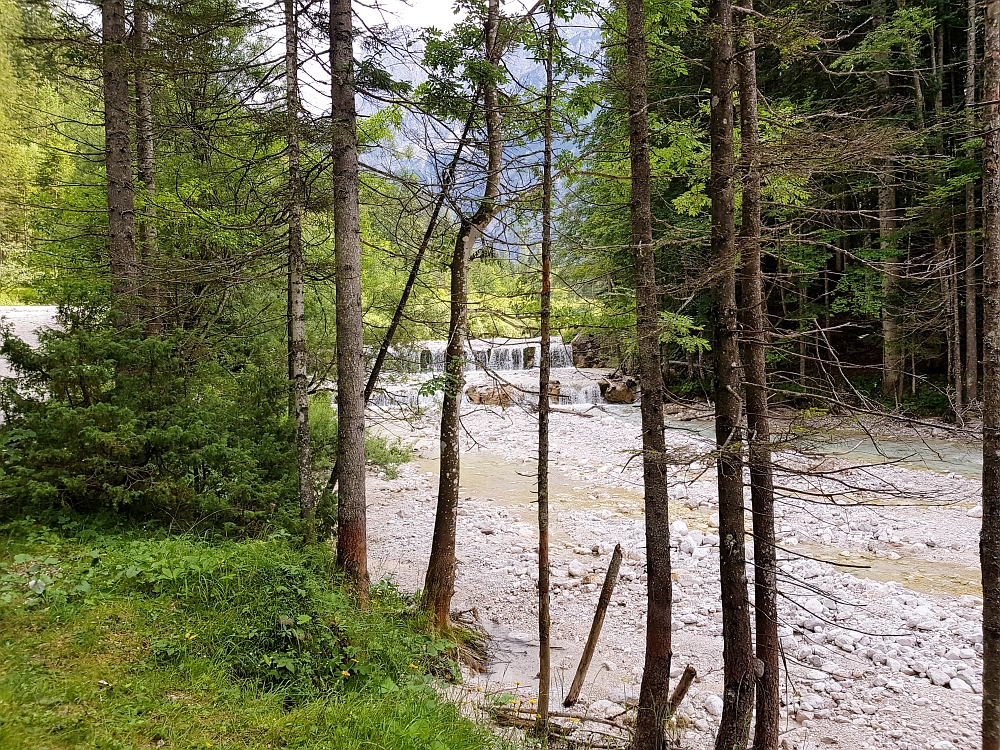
(488,395)
(605,709)
(813,606)
(959,685)
(678,528)
(577,569)
(844,642)
(593,351)
(938,677)
(713,705)
(619,391)
(976,512)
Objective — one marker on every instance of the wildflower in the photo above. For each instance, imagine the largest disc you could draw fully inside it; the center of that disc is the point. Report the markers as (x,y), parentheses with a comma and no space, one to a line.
(345,673)
(532,700)
(414,666)
(574,720)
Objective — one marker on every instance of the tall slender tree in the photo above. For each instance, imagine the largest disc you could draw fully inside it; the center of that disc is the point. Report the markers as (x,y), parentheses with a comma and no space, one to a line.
(738,657)
(299,382)
(118,159)
(971,334)
(439,584)
(544,368)
(754,322)
(893,356)
(352,542)
(989,542)
(146,167)
(654,692)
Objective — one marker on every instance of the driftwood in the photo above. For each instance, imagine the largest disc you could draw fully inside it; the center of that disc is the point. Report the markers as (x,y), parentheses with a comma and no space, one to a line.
(595,628)
(681,689)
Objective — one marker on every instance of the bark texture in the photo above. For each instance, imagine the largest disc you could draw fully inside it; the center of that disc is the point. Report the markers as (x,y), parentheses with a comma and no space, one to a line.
(654,693)
(544,366)
(754,320)
(146,170)
(296,272)
(118,160)
(893,357)
(352,543)
(738,656)
(989,542)
(439,584)
(971,336)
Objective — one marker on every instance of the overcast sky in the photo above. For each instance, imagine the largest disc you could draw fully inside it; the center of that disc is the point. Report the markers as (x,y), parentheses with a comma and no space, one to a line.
(419,13)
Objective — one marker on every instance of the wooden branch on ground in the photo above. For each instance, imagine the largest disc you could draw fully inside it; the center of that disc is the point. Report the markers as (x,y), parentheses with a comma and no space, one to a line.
(595,629)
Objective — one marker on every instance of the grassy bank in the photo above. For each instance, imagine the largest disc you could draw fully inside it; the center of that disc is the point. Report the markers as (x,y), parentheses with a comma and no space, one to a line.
(114,641)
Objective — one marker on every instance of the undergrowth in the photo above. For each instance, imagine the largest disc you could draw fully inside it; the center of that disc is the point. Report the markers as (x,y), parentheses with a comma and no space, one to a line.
(118,642)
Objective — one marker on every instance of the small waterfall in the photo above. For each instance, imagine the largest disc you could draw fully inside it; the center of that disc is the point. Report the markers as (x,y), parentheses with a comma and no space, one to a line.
(481,354)
(589,394)
(561,354)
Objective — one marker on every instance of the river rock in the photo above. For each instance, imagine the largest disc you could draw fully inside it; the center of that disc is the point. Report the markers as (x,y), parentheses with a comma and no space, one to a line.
(976,512)
(593,351)
(489,395)
(938,677)
(605,709)
(713,706)
(621,391)
(959,685)
(577,569)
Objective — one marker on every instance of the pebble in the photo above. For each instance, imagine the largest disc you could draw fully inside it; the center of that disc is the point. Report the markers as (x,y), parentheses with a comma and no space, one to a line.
(713,705)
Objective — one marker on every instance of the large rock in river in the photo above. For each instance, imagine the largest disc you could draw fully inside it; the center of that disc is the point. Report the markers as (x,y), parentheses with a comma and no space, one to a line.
(619,391)
(491,395)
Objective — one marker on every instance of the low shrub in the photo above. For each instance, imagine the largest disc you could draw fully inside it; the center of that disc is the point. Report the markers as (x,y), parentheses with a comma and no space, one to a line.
(101,419)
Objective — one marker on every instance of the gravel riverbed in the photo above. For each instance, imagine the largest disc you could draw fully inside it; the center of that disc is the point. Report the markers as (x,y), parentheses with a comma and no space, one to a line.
(883,654)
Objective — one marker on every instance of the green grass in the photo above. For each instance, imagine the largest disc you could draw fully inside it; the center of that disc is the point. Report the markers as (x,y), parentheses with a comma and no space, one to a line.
(183,644)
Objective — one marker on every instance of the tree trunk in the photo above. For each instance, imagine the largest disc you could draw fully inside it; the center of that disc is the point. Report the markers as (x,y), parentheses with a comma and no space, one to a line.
(146,169)
(352,543)
(118,161)
(654,693)
(439,584)
(737,655)
(989,543)
(971,334)
(892,350)
(544,365)
(954,326)
(296,274)
(754,322)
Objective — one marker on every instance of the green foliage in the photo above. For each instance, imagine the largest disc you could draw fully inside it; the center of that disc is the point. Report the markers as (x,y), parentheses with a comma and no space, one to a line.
(102,419)
(106,419)
(240,644)
(893,44)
